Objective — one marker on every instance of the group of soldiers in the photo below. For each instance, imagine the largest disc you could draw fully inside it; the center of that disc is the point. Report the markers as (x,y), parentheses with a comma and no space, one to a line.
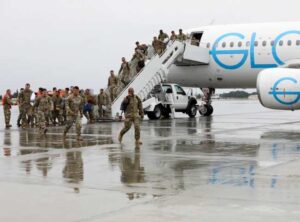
(161,42)
(60,107)
(128,70)
(67,107)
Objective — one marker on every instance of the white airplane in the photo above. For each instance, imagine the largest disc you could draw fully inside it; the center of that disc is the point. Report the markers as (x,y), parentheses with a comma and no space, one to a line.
(263,56)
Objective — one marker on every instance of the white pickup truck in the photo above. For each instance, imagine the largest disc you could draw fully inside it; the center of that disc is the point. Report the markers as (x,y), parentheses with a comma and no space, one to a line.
(157,105)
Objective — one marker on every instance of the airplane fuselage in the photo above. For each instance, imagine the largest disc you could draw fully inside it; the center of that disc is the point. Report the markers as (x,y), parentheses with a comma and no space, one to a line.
(237,53)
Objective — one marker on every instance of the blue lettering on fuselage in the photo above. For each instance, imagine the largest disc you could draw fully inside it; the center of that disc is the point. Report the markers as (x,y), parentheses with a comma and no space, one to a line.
(275,93)
(215,52)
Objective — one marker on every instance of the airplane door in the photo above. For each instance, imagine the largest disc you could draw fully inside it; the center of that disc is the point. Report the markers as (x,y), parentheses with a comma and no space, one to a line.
(181,99)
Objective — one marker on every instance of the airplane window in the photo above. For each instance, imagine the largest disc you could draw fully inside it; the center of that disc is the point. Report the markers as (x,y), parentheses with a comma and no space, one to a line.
(272,43)
(281,43)
(208,45)
(240,44)
(298,42)
(224,44)
(256,43)
(264,43)
(231,44)
(247,43)
(289,42)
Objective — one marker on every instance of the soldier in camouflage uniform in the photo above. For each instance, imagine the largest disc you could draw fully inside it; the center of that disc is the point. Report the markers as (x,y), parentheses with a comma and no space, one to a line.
(26,107)
(64,98)
(19,102)
(133,108)
(41,105)
(74,108)
(7,103)
(158,45)
(112,85)
(162,36)
(181,37)
(57,107)
(124,72)
(103,101)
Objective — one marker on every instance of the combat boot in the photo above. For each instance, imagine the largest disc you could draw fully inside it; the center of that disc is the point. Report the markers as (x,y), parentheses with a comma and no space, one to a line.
(120,138)
(8,126)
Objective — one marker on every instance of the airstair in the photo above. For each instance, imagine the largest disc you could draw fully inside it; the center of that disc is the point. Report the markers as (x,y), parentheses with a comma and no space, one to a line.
(156,70)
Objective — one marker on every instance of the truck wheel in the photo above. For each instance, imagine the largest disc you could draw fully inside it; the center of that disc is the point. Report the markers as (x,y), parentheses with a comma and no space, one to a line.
(206,110)
(156,114)
(192,112)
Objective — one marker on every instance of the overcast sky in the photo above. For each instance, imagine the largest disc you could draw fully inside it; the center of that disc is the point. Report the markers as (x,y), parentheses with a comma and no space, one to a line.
(76,42)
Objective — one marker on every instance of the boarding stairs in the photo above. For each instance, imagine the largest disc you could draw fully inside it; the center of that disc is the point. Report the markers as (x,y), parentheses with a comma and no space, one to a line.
(157,69)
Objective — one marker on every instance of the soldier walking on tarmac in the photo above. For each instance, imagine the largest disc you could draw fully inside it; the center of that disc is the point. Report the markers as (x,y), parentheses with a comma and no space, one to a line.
(42,105)
(74,109)
(7,103)
(25,98)
(133,109)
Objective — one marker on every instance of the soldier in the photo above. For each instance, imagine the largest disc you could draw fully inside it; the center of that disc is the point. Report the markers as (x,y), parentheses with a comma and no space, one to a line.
(19,102)
(158,46)
(181,37)
(112,85)
(26,107)
(124,72)
(74,108)
(7,103)
(162,36)
(141,47)
(42,104)
(173,36)
(64,98)
(103,101)
(133,108)
(57,107)
(141,60)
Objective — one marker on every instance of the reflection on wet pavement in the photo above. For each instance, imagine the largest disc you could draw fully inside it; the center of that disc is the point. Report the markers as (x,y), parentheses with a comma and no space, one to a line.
(233,165)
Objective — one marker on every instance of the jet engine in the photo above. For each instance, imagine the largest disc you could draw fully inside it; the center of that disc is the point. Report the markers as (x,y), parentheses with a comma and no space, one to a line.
(279,88)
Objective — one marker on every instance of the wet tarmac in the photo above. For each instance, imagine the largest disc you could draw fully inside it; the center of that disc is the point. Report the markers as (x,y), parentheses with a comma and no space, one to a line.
(242,164)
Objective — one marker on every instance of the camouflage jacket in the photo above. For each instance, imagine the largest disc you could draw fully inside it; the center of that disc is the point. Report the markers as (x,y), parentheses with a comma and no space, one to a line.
(43,103)
(74,105)
(112,81)
(25,96)
(57,102)
(103,99)
(132,106)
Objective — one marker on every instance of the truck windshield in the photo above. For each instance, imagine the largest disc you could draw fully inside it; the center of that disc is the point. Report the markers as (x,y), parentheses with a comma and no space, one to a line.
(166,87)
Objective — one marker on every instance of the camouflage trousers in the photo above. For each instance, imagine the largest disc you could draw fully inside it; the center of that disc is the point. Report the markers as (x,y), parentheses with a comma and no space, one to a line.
(56,115)
(7,115)
(41,119)
(127,125)
(112,93)
(26,114)
(76,119)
